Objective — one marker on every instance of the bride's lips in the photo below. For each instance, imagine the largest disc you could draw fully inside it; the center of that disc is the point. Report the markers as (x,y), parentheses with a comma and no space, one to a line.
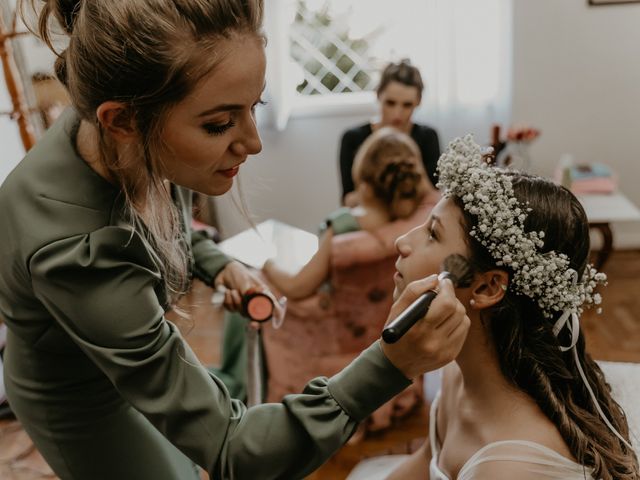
(230,172)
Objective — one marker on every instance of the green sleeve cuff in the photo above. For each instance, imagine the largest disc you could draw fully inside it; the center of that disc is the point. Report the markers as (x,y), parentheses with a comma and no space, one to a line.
(367,383)
(208,259)
(342,221)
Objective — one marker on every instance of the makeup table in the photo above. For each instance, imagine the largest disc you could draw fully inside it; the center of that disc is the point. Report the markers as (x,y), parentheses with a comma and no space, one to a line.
(292,247)
(604,209)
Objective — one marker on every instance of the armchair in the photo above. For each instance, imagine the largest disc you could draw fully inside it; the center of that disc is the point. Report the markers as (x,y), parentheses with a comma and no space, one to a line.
(323,333)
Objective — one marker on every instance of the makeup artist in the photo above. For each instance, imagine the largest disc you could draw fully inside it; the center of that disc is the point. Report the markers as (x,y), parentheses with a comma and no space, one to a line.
(95,246)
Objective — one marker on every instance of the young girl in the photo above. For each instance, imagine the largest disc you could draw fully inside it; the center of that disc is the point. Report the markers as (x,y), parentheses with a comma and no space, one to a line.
(95,245)
(399,93)
(523,399)
(390,184)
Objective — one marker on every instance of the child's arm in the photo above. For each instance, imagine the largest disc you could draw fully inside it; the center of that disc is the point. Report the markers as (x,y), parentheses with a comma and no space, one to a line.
(309,278)
(414,467)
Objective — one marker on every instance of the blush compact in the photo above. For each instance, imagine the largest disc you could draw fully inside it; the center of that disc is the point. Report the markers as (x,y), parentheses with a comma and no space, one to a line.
(257,306)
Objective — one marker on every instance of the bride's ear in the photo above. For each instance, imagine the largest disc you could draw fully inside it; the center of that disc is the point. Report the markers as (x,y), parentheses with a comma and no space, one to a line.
(488,288)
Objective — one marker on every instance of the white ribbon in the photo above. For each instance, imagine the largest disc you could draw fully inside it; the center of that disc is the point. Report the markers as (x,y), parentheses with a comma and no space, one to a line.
(574,329)
(280,308)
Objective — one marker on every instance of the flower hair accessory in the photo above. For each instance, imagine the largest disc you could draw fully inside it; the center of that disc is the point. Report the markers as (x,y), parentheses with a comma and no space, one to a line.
(487,193)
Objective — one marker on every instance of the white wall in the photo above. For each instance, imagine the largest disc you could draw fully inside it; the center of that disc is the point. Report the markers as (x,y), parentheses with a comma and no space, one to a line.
(295,179)
(577,78)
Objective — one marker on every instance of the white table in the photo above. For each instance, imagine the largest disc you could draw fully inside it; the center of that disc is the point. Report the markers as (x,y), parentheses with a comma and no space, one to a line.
(601,211)
(292,247)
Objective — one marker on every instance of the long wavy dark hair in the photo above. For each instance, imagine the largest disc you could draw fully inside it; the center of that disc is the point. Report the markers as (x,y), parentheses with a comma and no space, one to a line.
(528,351)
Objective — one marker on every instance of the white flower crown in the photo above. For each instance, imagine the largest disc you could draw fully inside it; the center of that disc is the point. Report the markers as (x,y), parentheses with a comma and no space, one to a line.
(487,193)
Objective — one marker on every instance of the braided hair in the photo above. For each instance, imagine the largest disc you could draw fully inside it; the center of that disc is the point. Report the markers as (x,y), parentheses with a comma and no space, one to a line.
(389,162)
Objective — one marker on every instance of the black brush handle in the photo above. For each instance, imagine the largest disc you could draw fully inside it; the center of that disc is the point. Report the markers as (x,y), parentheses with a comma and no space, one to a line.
(414,312)
(401,325)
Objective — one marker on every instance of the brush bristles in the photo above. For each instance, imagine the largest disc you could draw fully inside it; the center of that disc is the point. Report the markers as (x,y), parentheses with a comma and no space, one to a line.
(460,270)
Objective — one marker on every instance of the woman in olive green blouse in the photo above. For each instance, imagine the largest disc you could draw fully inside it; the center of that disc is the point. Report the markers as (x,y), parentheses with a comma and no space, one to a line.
(95,246)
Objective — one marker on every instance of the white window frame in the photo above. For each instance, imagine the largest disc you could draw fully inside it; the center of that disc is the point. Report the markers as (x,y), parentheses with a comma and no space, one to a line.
(443,105)
(333,104)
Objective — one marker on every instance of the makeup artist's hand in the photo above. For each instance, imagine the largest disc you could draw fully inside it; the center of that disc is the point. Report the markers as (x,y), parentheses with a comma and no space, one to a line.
(238,280)
(434,340)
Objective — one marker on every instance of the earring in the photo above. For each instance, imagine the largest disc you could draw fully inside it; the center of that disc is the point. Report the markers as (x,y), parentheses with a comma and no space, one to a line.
(472,302)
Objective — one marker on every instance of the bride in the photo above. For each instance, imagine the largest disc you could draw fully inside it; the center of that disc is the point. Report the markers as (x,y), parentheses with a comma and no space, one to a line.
(523,400)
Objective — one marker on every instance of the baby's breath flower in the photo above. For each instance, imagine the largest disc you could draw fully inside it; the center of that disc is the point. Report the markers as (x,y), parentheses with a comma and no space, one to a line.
(487,193)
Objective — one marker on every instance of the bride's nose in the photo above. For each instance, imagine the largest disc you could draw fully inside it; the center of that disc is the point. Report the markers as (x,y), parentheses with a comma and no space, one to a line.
(402,246)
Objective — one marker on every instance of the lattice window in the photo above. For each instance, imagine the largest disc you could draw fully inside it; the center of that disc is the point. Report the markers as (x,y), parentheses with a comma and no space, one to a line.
(331,60)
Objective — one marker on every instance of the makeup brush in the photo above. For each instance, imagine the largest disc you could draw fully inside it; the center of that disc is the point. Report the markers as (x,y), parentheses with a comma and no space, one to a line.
(456,268)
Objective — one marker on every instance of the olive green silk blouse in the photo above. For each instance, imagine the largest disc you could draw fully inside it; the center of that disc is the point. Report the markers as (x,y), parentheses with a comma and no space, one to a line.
(82,297)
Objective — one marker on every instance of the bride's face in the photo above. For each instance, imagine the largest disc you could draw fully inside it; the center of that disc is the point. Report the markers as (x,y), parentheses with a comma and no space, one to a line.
(423,250)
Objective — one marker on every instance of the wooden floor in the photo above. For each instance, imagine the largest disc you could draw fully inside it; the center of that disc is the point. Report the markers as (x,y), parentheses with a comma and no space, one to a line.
(614,336)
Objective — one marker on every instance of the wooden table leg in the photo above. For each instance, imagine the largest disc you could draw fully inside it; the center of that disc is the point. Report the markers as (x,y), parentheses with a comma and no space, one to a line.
(607,243)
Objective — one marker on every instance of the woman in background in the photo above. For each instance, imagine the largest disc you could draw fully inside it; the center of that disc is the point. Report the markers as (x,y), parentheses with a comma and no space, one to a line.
(399,93)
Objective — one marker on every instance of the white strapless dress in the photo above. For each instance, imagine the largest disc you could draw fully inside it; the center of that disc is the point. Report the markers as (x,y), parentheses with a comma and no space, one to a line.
(527,460)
